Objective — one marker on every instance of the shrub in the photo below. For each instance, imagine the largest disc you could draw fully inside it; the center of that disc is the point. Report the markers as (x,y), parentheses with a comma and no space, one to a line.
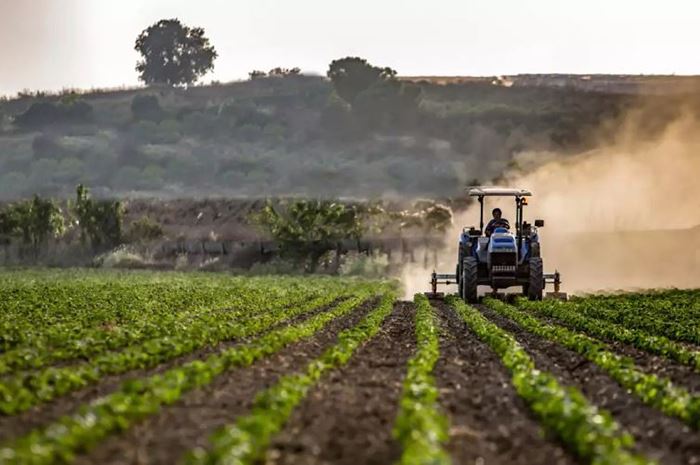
(99,221)
(143,230)
(32,221)
(146,107)
(42,114)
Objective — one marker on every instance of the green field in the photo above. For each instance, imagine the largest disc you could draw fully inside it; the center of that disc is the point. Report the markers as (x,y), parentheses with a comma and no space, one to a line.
(144,367)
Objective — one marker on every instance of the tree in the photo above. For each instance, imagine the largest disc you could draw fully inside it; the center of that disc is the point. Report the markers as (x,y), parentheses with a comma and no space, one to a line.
(306,229)
(173,53)
(352,75)
(32,221)
(99,221)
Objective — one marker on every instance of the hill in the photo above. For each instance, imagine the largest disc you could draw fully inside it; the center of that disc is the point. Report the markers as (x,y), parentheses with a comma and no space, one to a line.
(293,136)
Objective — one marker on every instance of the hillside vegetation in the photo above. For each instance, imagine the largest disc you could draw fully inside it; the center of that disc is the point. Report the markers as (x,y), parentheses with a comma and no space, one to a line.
(291,134)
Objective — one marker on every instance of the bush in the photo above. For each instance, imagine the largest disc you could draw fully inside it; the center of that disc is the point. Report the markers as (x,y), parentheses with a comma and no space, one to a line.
(121,257)
(100,221)
(146,108)
(42,114)
(32,221)
(143,230)
(276,266)
(368,266)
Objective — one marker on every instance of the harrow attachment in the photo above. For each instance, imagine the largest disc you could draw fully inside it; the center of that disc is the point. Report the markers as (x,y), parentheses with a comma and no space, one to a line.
(555,279)
(438,278)
(444,279)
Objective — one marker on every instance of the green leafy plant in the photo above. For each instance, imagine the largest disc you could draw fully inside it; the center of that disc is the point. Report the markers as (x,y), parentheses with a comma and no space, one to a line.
(421,429)
(589,432)
(571,315)
(100,221)
(32,221)
(143,230)
(27,389)
(307,229)
(651,389)
(245,441)
(137,399)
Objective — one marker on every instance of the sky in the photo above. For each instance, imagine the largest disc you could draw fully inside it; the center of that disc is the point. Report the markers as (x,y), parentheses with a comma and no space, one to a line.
(55,44)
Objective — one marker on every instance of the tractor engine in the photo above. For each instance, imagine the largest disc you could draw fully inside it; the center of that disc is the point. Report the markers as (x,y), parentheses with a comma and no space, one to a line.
(502,257)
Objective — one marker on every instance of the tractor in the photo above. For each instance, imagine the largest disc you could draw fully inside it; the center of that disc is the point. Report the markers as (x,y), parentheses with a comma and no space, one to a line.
(500,258)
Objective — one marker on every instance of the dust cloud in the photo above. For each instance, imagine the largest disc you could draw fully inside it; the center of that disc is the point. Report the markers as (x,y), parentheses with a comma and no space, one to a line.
(623,216)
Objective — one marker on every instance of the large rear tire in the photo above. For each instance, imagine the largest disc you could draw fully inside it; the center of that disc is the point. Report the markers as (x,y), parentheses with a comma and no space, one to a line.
(535,285)
(468,281)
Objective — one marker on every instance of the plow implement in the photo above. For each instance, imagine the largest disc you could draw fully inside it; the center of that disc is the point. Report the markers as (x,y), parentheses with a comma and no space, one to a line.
(446,279)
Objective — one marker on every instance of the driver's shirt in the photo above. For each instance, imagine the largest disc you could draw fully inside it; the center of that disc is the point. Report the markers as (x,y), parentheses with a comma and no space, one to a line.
(492,225)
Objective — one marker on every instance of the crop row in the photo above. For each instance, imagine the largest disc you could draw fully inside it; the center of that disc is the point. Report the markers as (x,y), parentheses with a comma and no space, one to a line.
(192,322)
(31,312)
(91,317)
(134,400)
(651,389)
(674,314)
(591,433)
(421,429)
(570,315)
(245,441)
(25,390)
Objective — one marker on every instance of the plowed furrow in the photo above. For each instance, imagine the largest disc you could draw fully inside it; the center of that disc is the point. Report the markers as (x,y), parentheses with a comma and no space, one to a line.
(40,415)
(489,423)
(348,417)
(178,428)
(657,436)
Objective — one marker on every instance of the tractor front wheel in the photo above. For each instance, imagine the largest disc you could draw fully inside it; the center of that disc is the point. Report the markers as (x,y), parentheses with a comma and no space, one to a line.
(467,284)
(535,284)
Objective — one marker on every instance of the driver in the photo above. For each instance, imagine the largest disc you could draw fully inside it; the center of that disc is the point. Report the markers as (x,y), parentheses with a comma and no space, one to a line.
(496,222)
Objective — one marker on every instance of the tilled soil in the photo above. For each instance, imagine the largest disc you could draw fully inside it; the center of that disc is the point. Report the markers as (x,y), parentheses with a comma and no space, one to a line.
(348,417)
(165,437)
(658,436)
(680,374)
(489,423)
(41,415)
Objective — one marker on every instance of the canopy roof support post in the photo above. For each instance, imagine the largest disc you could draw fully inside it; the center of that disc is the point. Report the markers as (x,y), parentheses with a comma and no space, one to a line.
(481,215)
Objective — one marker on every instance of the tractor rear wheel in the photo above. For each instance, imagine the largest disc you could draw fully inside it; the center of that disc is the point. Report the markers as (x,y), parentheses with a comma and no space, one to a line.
(535,285)
(467,284)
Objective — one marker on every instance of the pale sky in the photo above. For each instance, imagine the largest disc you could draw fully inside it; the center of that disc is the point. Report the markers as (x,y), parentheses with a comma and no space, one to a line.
(52,44)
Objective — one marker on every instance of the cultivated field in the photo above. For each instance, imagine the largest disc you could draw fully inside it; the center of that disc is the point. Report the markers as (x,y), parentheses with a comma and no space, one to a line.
(167,368)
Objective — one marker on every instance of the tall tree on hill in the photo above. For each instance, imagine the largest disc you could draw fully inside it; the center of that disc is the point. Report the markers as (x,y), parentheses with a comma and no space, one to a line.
(353,75)
(173,53)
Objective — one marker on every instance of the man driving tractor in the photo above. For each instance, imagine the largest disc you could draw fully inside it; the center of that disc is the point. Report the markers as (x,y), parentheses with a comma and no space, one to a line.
(496,222)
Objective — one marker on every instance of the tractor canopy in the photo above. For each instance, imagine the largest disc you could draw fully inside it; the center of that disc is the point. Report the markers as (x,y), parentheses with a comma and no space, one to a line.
(498,191)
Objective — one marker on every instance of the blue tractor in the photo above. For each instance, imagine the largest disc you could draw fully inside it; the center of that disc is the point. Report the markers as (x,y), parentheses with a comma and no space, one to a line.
(500,257)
